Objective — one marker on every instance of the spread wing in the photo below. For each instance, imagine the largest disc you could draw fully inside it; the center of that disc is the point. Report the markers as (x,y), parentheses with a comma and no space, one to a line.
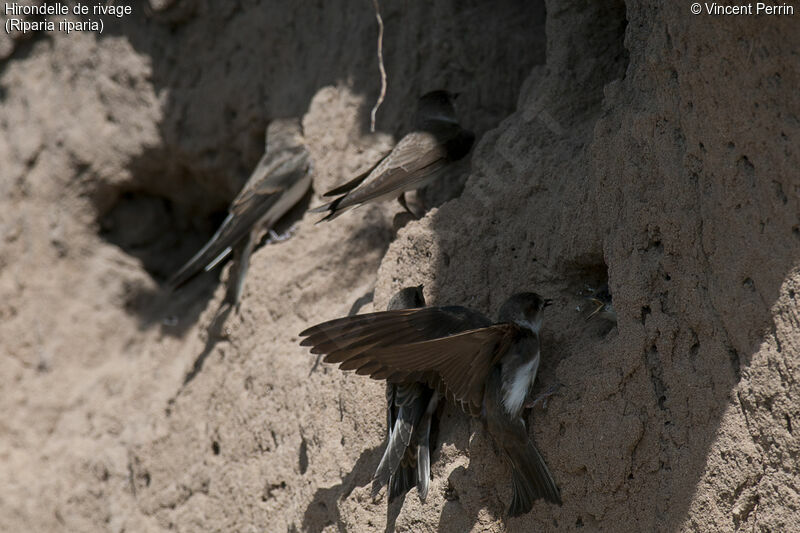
(451,349)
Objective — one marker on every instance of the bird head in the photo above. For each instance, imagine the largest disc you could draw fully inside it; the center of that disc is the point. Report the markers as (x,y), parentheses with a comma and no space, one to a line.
(284,133)
(525,309)
(436,106)
(407,298)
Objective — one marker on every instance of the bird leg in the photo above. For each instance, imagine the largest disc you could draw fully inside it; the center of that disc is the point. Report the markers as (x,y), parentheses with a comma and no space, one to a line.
(402,201)
(274,236)
(216,327)
(542,398)
(238,271)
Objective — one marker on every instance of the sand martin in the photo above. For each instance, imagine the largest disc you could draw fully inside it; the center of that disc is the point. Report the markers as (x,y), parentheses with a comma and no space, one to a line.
(410,410)
(279,181)
(417,159)
(602,305)
(486,369)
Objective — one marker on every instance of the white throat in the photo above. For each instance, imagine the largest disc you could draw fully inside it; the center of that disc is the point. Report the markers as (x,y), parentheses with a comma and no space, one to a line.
(534,326)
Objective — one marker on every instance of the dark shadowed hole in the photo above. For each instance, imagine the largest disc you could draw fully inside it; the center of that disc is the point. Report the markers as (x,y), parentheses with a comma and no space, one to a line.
(303,456)
(270,488)
(161,236)
(586,275)
(149,228)
(645,312)
(736,363)
(587,279)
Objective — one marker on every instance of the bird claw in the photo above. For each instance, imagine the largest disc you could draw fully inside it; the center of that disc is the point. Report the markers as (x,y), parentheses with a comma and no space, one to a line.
(316,364)
(543,398)
(280,237)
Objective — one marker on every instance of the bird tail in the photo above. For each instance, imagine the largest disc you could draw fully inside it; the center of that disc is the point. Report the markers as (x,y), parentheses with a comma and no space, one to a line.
(404,478)
(424,448)
(399,440)
(406,461)
(530,477)
(214,251)
(331,208)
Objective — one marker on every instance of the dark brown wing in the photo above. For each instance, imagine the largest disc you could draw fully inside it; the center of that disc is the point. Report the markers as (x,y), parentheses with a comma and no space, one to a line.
(413,160)
(274,174)
(389,328)
(450,348)
(415,157)
(456,365)
(266,191)
(355,182)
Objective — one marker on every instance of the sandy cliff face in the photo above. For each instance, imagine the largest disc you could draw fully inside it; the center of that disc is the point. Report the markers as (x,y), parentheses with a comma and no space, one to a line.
(631,144)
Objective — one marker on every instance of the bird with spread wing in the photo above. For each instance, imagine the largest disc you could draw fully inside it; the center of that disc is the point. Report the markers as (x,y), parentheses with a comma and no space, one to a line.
(485,368)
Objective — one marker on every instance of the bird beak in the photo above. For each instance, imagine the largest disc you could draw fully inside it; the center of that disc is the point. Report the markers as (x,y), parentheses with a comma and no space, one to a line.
(548,302)
(598,307)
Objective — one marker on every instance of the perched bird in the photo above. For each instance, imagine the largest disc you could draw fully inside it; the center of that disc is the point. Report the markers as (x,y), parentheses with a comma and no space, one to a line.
(281,178)
(603,306)
(410,410)
(417,159)
(486,369)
